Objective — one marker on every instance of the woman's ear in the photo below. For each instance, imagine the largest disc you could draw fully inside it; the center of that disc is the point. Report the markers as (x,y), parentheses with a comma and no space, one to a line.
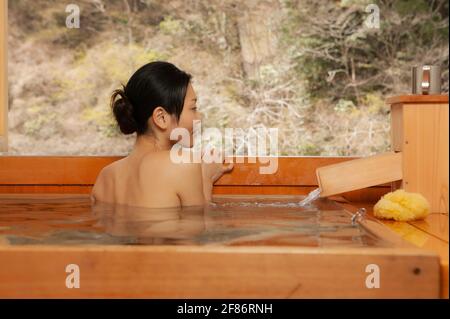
(161,118)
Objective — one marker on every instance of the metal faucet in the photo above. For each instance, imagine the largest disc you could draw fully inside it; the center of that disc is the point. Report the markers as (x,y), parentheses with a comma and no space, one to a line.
(361,213)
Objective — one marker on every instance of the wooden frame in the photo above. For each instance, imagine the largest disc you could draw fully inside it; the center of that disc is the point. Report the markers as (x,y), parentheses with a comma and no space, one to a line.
(3,75)
(296,175)
(420,129)
(219,271)
(73,174)
(215,272)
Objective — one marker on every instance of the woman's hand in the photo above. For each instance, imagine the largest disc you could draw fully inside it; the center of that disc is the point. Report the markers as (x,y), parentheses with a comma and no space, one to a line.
(212,170)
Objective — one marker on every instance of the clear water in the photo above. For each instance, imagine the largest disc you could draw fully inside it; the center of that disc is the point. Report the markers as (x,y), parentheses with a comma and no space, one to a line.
(312,196)
(233,222)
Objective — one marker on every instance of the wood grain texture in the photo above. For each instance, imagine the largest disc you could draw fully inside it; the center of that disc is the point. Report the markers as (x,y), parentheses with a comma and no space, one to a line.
(69,170)
(397,127)
(55,170)
(430,234)
(371,194)
(45,188)
(360,173)
(435,224)
(216,272)
(71,174)
(417,98)
(426,153)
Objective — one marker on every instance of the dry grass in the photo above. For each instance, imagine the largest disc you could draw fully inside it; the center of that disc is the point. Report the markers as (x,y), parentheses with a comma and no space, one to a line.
(61,80)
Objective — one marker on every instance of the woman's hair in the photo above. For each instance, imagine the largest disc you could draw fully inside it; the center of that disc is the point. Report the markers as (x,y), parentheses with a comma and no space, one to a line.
(154,84)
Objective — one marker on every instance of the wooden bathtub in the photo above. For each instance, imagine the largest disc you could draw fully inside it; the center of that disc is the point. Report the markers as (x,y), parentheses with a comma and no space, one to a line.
(414,264)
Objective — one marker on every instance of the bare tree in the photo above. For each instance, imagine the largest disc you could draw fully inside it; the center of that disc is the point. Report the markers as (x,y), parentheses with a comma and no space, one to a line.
(256,36)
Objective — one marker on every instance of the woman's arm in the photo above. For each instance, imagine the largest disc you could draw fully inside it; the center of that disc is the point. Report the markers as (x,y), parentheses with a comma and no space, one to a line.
(188,182)
(211,172)
(98,190)
(207,190)
(95,189)
(195,181)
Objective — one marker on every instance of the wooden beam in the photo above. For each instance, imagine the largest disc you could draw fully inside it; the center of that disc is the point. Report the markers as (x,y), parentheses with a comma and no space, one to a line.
(216,272)
(52,170)
(417,98)
(77,174)
(83,170)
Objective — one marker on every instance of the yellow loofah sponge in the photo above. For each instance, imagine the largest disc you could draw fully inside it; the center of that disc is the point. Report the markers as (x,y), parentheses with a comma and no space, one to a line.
(402,206)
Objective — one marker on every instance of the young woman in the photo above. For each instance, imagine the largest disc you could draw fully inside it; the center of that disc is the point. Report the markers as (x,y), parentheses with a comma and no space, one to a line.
(158,98)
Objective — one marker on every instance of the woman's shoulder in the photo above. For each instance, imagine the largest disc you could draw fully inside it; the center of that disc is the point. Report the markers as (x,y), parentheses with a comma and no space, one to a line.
(182,178)
(102,183)
(166,160)
(108,171)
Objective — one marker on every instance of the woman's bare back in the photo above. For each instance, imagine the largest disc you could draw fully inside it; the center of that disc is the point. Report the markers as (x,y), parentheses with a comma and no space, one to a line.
(152,180)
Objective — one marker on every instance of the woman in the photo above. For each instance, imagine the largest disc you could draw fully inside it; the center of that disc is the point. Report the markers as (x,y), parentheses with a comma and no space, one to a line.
(158,98)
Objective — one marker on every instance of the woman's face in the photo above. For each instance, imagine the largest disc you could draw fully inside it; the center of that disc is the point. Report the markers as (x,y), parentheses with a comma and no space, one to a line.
(189,114)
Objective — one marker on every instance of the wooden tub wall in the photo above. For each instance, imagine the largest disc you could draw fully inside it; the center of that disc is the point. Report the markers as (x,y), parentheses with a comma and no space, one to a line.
(77,174)
(295,176)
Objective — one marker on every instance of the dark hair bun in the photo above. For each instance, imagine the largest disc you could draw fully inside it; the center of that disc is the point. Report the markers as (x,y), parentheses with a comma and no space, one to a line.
(123,112)
(154,84)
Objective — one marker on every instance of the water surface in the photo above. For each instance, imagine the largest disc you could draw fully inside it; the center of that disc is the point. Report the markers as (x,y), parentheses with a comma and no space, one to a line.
(73,220)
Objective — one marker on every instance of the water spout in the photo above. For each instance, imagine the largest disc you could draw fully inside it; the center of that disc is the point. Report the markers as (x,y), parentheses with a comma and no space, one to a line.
(310,197)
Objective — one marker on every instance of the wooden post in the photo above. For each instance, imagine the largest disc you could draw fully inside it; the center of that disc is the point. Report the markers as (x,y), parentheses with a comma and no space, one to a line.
(3,75)
(420,128)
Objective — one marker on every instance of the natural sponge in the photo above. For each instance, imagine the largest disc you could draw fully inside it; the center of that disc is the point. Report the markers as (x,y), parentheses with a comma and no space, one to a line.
(402,206)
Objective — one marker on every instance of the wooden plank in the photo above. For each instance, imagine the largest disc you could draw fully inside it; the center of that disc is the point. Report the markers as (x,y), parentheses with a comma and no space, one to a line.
(426,153)
(66,170)
(360,173)
(54,170)
(407,231)
(397,127)
(425,241)
(435,224)
(216,272)
(292,170)
(3,75)
(419,237)
(417,98)
(40,189)
(71,174)
(371,194)
(43,196)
